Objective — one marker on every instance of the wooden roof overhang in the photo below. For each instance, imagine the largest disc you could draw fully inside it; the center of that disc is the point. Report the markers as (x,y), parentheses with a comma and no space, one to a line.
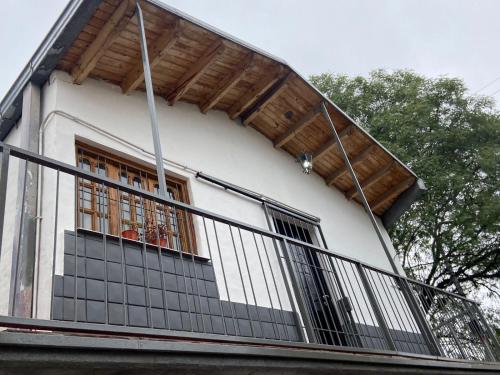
(195,63)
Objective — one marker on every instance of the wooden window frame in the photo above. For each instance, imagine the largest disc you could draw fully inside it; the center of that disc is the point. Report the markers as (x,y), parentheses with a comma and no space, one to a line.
(177,225)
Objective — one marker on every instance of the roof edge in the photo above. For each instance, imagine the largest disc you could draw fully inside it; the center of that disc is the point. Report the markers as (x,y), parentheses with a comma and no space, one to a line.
(71,22)
(62,34)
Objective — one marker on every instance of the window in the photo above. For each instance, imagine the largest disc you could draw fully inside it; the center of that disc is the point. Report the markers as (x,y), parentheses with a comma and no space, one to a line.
(119,213)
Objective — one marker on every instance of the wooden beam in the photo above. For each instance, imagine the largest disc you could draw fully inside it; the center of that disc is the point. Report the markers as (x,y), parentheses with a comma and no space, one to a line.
(255,92)
(157,52)
(295,129)
(328,145)
(228,83)
(354,161)
(192,75)
(264,100)
(392,192)
(370,180)
(104,39)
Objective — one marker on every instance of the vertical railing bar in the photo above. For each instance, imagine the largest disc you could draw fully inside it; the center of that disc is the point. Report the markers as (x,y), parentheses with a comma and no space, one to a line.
(179,249)
(299,297)
(21,227)
(213,266)
(487,353)
(397,287)
(303,289)
(313,268)
(300,328)
(251,285)
(233,315)
(320,297)
(292,305)
(451,330)
(102,217)
(491,335)
(275,326)
(389,306)
(301,283)
(4,176)
(348,317)
(241,278)
(378,297)
(122,256)
(411,316)
(198,291)
(376,308)
(145,258)
(54,250)
(77,213)
(420,320)
(330,304)
(162,275)
(367,304)
(333,287)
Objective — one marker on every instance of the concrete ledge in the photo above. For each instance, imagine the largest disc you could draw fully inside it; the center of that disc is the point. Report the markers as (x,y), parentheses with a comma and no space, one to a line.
(50,353)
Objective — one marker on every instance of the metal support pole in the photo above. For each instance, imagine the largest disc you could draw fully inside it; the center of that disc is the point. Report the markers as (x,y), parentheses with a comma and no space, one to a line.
(419,316)
(151,104)
(359,189)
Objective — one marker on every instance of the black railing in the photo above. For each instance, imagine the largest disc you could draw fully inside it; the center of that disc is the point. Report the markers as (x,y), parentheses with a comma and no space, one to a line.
(188,269)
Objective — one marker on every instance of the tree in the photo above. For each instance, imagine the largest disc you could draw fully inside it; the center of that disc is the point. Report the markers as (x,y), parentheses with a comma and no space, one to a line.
(452,141)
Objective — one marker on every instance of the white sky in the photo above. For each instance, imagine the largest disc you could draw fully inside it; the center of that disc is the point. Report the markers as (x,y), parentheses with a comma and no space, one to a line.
(456,38)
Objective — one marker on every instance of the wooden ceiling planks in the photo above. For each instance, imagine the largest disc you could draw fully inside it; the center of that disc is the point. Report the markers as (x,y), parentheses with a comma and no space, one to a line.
(196,65)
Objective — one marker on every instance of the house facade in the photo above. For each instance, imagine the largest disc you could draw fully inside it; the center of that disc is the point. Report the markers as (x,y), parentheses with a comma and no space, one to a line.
(242,248)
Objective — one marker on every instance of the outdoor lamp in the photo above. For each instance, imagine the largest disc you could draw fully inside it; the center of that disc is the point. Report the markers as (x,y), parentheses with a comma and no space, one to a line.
(305,160)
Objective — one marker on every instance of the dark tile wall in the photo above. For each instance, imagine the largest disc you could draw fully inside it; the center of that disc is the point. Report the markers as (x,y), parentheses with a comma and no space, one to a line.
(408,342)
(136,287)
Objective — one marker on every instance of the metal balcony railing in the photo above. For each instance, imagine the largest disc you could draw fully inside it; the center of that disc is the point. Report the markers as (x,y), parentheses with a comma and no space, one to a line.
(193,273)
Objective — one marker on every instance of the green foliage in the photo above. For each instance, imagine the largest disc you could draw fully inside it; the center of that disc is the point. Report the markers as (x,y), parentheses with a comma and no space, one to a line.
(452,141)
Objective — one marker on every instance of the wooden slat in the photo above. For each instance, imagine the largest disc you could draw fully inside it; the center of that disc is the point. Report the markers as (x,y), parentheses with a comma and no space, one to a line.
(392,192)
(228,83)
(107,35)
(297,127)
(354,161)
(157,51)
(195,71)
(328,145)
(264,100)
(255,93)
(370,180)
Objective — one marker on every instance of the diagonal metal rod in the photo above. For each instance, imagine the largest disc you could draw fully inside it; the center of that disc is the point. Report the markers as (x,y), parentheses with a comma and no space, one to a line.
(359,189)
(151,104)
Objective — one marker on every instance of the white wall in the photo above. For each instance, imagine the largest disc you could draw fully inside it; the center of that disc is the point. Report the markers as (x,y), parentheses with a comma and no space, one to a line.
(211,143)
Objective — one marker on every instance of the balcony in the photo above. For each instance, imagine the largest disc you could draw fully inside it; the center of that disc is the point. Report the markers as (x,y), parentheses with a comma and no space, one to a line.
(215,281)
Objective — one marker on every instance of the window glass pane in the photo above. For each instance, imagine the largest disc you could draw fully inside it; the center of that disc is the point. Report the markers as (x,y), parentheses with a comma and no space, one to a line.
(101,169)
(86,221)
(86,197)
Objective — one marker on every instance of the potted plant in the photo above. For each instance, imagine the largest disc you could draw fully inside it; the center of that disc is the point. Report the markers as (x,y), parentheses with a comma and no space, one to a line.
(157,233)
(131,233)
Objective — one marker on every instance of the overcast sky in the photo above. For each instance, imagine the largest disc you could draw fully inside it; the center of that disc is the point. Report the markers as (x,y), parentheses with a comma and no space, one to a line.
(456,38)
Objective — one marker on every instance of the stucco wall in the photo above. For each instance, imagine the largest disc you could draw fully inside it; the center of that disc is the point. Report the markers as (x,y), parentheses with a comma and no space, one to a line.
(211,143)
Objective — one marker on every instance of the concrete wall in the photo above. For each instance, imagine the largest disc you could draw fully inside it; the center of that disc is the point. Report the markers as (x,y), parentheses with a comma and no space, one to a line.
(211,143)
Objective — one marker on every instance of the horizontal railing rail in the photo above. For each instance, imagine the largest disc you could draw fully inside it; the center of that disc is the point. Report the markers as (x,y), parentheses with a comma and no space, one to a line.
(189,269)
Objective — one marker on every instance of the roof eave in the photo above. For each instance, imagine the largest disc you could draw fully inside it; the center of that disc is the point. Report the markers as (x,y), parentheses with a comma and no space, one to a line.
(67,27)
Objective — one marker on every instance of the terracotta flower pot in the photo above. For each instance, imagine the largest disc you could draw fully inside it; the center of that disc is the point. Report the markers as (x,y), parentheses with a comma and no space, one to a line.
(130,234)
(163,242)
